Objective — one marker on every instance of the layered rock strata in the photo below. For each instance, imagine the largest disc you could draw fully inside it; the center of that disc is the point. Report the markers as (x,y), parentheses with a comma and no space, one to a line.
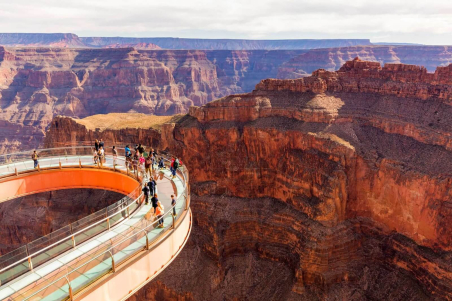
(331,187)
(37,84)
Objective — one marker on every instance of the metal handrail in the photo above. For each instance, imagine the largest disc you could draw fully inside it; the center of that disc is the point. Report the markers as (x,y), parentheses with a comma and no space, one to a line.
(109,250)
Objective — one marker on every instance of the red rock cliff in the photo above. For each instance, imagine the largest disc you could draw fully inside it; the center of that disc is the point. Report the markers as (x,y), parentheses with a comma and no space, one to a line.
(330,187)
(37,84)
(362,154)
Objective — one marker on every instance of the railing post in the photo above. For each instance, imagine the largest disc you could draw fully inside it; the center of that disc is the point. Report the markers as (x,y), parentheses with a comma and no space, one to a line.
(73,241)
(60,163)
(186,203)
(128,213)
(79,163)
(39,168)
(112,262)
(71,297)
(30,264)
(15,169)
(147,239)
(108,223)
(174,220)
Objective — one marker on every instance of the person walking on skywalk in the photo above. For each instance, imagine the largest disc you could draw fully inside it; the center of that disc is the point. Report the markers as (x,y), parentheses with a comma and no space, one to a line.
(115,155)
(146,191)
(152,186)
(35,157)
(154,202)
(159,213)
(173,204)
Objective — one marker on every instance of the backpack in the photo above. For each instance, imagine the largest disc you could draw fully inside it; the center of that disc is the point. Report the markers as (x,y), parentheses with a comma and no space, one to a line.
(176,164)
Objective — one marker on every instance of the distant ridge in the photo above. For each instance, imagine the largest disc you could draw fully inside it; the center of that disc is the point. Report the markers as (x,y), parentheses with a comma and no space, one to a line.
(70,40)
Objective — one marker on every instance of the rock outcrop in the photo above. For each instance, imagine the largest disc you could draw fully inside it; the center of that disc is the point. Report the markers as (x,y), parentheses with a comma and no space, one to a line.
(331,187)
(332,59)
(66,131)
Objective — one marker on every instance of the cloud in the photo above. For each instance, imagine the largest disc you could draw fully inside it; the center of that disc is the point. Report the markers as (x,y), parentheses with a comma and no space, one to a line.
(394,21)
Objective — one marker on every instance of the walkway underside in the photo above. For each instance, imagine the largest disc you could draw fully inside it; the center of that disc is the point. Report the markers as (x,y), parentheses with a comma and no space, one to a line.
(55,179)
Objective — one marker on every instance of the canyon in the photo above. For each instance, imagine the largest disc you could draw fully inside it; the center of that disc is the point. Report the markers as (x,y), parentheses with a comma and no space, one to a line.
(334,186)
(39,83)
(71,40)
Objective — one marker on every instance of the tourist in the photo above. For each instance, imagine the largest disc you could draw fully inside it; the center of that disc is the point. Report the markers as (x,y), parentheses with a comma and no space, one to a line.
(101,156)
(127,151)
(172,164)
(154,201)
(173,204)
(148,165)
(161,164)
(159,210)
(101,144)
(141,162)
(96,156)
(96,145)
(115,155)
(175,167)
(146,194)
(152,186)
(35,157)
(135,161)
(140,148)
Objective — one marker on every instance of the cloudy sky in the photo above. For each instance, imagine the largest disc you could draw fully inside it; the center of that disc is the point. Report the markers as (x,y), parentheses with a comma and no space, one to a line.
(413,21)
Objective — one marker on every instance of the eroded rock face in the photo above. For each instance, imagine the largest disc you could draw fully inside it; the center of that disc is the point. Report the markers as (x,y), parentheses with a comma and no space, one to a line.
(27,218)
(65,131)
(332,187)
(362,154)
(37,84)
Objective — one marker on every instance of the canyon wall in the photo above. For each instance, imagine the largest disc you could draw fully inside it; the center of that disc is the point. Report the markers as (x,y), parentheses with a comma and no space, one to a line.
(332,59)
(37,84)
(330,187)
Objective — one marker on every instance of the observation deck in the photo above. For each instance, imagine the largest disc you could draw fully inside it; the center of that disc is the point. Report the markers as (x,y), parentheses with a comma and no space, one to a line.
(108,255)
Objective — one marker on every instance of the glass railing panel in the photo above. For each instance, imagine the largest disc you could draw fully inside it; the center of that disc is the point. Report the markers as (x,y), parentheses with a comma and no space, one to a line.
(52,252)
(15,271)
(129,247)
(49,239)
(117,218)
(54,288)
(13,256)
(90,233)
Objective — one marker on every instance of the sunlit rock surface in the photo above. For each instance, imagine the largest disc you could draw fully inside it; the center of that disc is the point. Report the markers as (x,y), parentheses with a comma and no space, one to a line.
(331,187)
